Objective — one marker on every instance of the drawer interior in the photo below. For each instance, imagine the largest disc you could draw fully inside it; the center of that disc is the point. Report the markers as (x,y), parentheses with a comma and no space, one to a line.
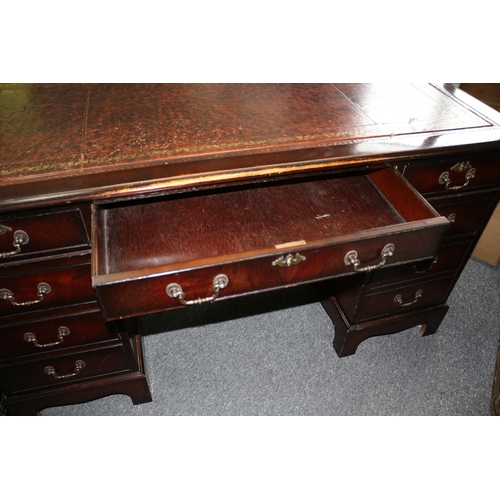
(185,231)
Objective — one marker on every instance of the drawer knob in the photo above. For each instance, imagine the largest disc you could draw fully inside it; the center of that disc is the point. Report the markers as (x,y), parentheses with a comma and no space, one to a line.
(289,260)
(399,299)
(351,258)
(43,289)
(79,365)
(20,238)
(444,178)
(175,291)
(62,332)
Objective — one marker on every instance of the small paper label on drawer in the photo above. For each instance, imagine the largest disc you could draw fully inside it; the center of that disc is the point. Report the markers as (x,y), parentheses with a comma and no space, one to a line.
(290,244)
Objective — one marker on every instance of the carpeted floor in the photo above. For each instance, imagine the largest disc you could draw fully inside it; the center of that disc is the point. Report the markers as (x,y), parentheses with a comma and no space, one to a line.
(271,355)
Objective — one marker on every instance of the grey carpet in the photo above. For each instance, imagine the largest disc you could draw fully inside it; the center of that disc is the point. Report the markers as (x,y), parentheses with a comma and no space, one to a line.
(278,360)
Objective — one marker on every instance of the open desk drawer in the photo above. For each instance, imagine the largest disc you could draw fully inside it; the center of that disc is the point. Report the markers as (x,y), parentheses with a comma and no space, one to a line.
(187,249)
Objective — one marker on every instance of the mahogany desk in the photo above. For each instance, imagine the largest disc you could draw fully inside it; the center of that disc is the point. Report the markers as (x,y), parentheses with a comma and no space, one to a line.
(122,200)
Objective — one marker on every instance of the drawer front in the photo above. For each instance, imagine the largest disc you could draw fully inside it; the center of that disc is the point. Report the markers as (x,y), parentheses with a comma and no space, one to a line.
(62,370)
(45,289)
(449,259)
(79,326)
(30,236)
(404,299)
(467,214)
(454,175)
(143,295)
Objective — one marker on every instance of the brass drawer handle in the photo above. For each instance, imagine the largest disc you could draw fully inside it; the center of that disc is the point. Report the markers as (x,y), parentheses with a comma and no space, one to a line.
(175,291)
(444,178)
(20,238)
(79,365)
(62,332)
(289,260)
(351,258)
(43,289)
(399,299)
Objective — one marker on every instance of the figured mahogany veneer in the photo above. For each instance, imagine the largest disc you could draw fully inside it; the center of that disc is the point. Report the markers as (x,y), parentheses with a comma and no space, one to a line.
(69,281)
(426,177)
(136,197)
(40,333)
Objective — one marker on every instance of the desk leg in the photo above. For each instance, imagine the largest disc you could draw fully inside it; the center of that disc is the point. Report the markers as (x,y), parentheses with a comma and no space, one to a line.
(348,337)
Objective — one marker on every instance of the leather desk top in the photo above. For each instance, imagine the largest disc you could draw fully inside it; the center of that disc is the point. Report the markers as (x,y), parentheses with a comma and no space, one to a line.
(82,142)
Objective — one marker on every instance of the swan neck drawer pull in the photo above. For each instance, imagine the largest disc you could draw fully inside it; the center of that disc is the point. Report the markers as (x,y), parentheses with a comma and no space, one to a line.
(20,238)
(43,289)
(175,291)
(62,332)
(289,260)
(399,299)
(444,178)
(351,259)
(79,365)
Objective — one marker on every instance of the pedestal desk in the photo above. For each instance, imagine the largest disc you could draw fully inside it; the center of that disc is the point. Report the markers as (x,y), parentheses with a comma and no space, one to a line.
(118,201)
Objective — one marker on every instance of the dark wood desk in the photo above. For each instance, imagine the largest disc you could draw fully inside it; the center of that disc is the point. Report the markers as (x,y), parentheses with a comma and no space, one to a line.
(121,200)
